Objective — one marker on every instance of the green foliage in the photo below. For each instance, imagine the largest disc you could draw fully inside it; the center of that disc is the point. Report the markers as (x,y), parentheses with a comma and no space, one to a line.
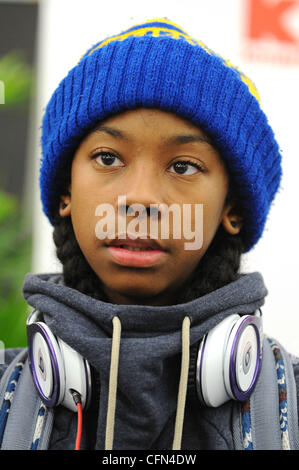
(15,242)
(17,78)
(15,262)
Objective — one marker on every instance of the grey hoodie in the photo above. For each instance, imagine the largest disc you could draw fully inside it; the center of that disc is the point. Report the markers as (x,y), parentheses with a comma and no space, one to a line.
(148,372)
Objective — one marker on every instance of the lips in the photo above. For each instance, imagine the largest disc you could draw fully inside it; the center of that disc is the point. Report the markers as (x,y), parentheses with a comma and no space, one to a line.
(138,253)
(145,244)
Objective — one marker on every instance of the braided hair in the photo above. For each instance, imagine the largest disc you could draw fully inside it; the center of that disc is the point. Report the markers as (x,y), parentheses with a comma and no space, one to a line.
(219,266)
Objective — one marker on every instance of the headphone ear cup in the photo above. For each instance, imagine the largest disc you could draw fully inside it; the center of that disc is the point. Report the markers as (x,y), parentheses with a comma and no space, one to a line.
(46,363)
(77,376)
(211,388)
(242,360)
(229,360)
(56,368)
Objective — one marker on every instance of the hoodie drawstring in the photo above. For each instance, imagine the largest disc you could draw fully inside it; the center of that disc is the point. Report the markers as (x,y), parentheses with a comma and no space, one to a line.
(179,420)
(112,384)
(182,392)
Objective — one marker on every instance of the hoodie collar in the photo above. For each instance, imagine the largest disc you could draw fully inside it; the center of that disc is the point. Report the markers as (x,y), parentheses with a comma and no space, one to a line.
(47,292)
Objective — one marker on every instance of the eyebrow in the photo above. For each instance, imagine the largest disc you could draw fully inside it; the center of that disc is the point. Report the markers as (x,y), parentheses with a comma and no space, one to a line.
(175,139)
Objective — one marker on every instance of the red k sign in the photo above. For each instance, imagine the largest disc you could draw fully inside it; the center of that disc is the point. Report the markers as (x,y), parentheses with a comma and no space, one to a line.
(273,30)
(266,17)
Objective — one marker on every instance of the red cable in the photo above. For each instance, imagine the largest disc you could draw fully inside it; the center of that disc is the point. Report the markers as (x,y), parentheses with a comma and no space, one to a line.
(79,426)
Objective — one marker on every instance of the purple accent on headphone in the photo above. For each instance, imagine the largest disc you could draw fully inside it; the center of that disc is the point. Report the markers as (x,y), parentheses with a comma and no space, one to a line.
(240,395)
(199,382)
(53,399)
(88,383)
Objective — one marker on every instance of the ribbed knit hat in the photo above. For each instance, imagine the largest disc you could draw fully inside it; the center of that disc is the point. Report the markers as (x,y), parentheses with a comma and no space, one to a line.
(158,65)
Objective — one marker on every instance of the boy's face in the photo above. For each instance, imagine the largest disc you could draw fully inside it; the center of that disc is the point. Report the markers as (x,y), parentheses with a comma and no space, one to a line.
(143,163)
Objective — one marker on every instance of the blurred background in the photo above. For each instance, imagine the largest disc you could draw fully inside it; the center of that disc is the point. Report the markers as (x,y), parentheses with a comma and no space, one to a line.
(41,41)
(18,36)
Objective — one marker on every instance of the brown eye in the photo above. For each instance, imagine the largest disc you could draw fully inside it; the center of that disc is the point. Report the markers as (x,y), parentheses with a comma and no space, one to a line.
(181,167)
(106,159)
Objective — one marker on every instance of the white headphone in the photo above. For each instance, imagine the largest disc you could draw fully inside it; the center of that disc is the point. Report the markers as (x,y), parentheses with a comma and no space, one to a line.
(228,360)
(226,365)
(56,368)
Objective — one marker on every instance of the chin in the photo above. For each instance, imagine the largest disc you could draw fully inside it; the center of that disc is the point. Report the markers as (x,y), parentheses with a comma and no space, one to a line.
(138,292)
(141,293)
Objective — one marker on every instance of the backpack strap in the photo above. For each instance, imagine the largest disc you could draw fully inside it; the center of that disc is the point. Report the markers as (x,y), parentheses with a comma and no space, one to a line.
(25,422)
(287,397)
(269,420)
(8,384)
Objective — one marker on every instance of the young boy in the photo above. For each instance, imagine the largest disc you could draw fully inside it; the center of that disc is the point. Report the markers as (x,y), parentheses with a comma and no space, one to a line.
(159,343)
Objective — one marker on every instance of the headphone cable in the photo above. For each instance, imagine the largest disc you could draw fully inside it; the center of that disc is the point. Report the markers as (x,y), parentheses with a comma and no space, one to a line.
(77,399)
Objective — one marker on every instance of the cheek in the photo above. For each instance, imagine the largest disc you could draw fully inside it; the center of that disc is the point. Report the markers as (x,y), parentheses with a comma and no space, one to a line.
(213,205)
(86,192)
(83,207)
(83,229)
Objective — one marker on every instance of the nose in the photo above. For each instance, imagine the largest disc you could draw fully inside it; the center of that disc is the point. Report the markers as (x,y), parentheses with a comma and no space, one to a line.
(143,187)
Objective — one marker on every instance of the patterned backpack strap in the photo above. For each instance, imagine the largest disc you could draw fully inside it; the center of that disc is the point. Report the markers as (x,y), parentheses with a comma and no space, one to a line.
(269,420)
(288,415)
(25,423)
(8,385)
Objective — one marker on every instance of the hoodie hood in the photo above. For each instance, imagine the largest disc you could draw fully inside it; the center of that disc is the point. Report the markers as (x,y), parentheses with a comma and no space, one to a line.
(151,344)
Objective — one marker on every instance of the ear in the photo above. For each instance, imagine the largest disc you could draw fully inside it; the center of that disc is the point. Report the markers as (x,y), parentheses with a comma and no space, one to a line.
(65,204)
(231,221)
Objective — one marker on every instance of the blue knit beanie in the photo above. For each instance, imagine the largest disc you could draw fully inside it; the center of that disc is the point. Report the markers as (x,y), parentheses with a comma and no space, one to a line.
(158,65)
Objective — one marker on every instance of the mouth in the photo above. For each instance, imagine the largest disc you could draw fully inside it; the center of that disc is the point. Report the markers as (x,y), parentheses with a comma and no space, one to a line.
(141,252)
